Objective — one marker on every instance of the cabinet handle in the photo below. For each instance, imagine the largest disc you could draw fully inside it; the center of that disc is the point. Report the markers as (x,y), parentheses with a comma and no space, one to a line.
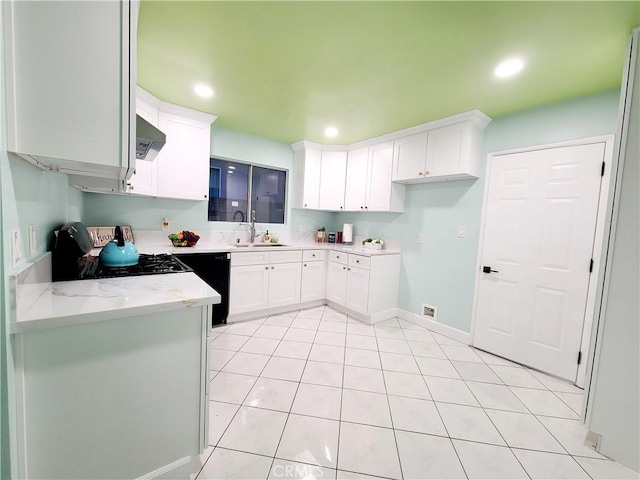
(344,268)
(426,172)
(313,255)
(420,174)
(360,207)
(348,269)
(305,264)
(205,196)
(266,268)
(340,207)
(357,261)
(305,205)
(366,208)
(130,186)
(271,268)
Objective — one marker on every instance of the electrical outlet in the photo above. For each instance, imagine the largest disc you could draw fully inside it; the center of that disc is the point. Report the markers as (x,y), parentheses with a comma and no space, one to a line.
(16,247)
(462,231)
(33,241)
(421,238)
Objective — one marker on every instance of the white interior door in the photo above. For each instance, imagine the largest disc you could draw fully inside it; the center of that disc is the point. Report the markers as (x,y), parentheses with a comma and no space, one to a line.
(539,227)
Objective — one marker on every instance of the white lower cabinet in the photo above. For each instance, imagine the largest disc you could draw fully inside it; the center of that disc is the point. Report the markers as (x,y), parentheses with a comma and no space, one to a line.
(249,288)
(261,280)
(284,284)
(364,286)
(357,289)
(337,282)
(314,275)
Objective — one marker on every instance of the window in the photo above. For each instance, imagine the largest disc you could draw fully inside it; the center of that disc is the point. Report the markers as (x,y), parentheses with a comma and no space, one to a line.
(235,189)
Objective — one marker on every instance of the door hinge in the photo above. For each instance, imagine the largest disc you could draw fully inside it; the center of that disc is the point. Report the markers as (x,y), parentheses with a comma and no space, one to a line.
(579,357)
(602,171)
(591,266)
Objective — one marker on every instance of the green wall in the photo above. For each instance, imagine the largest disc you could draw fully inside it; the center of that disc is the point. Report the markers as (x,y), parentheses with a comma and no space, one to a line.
(441,271)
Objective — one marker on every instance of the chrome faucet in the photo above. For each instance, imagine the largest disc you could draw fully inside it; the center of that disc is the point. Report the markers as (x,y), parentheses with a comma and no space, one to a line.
(252,226)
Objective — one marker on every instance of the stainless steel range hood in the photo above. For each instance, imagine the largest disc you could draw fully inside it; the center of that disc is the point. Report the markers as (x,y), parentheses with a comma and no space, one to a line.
(149,140)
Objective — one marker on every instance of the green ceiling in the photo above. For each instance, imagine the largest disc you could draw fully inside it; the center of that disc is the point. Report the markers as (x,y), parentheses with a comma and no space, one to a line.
(286,70)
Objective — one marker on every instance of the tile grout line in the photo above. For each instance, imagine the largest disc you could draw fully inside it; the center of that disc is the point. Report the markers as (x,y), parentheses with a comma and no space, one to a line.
(386,391)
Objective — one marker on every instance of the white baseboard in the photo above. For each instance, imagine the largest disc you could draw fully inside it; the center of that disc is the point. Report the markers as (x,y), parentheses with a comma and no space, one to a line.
(240,317)
(171,468)
(447,331)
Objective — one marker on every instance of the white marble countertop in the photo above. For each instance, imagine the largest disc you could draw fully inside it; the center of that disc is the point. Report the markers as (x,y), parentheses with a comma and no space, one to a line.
(58,304)
(155,246)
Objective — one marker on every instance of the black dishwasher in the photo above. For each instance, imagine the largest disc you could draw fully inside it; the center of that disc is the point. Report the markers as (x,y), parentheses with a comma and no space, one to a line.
(213,268)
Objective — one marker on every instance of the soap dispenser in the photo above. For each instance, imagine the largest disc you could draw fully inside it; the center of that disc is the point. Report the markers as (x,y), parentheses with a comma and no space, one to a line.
(266,238)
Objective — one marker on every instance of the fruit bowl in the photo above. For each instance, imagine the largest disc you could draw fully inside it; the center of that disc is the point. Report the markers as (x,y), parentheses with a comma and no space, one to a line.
(184,238)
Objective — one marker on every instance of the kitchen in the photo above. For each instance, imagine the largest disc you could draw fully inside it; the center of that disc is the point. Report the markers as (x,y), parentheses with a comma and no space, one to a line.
(44,199)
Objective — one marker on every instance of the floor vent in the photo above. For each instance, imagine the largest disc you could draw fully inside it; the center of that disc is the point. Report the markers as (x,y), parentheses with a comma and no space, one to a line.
(429,311)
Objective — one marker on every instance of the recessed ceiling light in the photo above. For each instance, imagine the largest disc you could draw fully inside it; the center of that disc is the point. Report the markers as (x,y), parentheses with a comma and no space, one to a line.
(331,132)
(204,91)
(231,167)
(509,68)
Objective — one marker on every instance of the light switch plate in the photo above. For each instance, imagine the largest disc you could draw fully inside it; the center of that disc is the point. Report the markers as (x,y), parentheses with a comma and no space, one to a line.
(33,241)
(462,231)
(421,238)
(16,247)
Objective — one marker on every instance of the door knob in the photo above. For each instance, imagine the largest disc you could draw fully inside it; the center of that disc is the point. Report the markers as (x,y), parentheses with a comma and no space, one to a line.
(488,270)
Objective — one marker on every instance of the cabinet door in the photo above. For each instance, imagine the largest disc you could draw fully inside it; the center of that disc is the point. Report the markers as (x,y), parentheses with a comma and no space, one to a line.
(69,86)
(249,288)
(409,155)
(332,179)
(356,186)
(314,280)
(284,284)
(444,151)
(311,188)
(358,290)
(337,283)
(379,178)
(144,179)
(183,163)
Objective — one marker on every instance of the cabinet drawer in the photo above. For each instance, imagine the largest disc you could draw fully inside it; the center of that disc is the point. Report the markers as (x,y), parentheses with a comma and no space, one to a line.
(249,258)
(339,257)
(287,256)
(311,255)
(359,261)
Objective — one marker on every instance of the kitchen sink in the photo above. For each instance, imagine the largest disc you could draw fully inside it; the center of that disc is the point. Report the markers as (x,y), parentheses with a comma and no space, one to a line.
(258,245)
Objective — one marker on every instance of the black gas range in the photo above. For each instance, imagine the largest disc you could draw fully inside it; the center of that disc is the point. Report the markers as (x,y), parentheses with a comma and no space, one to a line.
(89,267)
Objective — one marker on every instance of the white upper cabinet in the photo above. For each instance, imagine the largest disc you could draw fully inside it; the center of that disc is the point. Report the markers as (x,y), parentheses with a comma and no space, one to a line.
(409,157)
(70,75)
(311,195)
(369,176)
(369,187)
(382,194)
(448,149)
(355,197)
(181,169)
(333,174)
(183,163)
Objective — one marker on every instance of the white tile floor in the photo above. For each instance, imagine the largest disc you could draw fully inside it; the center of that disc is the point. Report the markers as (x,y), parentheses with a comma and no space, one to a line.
(314,394)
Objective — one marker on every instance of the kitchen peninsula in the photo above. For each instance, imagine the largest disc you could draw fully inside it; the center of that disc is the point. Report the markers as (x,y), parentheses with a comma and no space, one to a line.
(111,374)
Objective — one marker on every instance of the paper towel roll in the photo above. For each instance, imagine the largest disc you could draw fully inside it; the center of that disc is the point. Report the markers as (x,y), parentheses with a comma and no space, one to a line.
(347,233)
